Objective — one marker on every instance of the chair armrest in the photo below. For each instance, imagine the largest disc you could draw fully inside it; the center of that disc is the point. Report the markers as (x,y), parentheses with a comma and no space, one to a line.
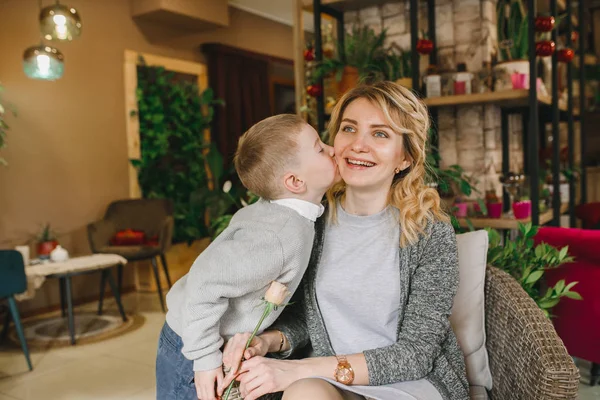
(166,234)
(527,358)
(100,233)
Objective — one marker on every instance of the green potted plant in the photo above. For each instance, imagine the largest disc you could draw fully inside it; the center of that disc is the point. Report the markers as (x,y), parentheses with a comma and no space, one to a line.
(357,60)
(5,108)
(175,157)
(527,263)
(46,242)
(396,66)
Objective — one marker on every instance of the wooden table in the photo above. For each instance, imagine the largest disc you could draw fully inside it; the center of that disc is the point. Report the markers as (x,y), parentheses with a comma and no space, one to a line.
(64,271)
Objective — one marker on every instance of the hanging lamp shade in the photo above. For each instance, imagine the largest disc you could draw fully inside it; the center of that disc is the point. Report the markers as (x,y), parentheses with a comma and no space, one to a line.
(59,22)
(43,62)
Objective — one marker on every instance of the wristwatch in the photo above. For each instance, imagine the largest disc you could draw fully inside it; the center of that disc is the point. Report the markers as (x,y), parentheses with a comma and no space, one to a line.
(343,373)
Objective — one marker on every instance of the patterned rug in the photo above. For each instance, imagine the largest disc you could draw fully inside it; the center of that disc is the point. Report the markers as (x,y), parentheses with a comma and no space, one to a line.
(53,331)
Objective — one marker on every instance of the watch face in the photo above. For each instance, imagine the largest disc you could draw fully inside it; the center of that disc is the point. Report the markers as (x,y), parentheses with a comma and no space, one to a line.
(344,375)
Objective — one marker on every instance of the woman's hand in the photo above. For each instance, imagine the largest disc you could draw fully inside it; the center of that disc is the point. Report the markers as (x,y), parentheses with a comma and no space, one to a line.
(261,375)
(234,351)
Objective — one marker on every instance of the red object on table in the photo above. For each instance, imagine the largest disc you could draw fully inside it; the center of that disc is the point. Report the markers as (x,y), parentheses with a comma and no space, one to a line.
(494,210)
(460,87)
(45,248)
(545,48)
(522,209)
(577,322)
(128,237)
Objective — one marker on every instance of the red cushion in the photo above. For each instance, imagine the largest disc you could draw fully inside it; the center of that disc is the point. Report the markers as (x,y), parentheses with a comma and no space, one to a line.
(590,214)
(128,237)
(577,322)
(584,244)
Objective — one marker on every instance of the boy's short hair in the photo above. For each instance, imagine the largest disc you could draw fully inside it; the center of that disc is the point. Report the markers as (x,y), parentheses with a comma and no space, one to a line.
(264,151)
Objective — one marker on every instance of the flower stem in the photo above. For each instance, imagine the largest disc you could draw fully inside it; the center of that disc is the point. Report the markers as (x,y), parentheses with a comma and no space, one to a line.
(268,309)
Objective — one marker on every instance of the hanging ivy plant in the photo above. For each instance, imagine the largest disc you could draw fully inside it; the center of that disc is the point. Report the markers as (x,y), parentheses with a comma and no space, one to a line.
(173,115)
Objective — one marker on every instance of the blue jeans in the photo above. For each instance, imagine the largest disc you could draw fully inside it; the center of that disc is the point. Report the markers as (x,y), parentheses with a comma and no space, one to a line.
(174,372)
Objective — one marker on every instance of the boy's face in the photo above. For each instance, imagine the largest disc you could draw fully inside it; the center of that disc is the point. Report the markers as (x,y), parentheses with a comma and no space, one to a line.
(316,166)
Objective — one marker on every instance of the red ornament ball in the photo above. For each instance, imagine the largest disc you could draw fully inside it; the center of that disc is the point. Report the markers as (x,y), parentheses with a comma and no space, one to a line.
(424,46)
(544,24)
(309,55)
(314,90)
(544,48)
(565,55)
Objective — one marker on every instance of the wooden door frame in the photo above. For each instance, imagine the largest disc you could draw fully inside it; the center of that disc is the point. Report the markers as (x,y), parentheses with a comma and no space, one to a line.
(132,123)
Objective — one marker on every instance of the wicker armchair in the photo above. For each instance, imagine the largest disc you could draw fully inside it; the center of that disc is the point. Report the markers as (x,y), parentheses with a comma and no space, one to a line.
(527,358)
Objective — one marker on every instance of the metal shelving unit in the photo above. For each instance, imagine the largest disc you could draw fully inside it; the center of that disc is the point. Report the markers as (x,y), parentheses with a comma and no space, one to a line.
(535,109)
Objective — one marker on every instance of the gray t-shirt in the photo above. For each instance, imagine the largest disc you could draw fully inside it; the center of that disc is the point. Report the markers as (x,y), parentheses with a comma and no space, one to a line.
(358,281)
(358,292)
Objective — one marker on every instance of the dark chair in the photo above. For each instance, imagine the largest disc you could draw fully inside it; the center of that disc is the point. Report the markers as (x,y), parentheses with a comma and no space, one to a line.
(152,216)
(13,281)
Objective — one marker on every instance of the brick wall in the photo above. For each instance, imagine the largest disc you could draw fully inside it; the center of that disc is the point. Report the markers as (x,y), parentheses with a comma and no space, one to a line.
(465,32)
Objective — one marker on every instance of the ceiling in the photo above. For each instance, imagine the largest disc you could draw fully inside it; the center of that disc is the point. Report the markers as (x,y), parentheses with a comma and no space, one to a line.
(277,10)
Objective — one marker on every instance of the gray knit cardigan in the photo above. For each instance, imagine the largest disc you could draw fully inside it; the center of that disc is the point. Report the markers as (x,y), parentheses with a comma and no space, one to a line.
(426,346)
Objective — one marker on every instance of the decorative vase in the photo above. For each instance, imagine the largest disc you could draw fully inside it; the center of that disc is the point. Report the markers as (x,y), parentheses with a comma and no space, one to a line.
(510,68)
(59,254)
(461,210)
(522,209)
(494,210)
(350,78)
(519,80)
(45,248)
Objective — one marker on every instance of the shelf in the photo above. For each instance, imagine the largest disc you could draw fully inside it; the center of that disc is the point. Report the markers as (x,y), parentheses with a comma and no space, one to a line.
(505,98)
(506,222)
(346,5)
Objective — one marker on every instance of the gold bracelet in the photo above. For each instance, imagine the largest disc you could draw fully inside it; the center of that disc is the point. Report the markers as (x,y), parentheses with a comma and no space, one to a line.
(281,342)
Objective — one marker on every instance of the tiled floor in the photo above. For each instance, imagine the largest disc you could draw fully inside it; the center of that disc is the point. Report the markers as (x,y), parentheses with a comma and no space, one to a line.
(115,369)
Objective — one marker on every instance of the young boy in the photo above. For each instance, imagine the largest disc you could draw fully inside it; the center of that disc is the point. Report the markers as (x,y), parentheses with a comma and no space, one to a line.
(282,160)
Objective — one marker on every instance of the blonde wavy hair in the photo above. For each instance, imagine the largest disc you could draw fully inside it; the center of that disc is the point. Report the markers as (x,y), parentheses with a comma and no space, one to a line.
(417,204)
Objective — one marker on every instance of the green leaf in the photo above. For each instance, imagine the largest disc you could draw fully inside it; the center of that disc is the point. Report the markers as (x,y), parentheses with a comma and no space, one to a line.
(563,253)
(539,251)
(548,303)
(560,286)
(215,163)
(570,286)
(573,295)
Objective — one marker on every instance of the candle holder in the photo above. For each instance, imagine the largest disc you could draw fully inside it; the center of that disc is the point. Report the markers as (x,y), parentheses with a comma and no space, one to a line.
(513,184)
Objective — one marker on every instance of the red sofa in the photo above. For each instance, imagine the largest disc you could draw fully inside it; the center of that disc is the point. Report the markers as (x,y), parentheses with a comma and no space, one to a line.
(578,321)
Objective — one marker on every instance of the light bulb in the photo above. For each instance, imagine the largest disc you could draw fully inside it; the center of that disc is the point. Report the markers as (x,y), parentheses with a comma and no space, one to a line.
(59,19)
(59,22)
(43,62)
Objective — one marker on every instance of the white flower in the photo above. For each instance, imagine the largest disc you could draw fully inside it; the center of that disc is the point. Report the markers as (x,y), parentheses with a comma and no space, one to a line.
(276,293)
(244,203)
(227,186)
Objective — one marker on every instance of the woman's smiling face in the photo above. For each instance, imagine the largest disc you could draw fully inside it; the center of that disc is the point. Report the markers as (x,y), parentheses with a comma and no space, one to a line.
(367,150)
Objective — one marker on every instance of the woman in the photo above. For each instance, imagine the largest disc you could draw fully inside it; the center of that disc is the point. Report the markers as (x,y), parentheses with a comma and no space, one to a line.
(375,300)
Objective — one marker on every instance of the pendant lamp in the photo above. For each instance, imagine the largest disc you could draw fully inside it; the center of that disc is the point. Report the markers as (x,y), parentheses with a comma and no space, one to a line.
(60,22)
(43,62)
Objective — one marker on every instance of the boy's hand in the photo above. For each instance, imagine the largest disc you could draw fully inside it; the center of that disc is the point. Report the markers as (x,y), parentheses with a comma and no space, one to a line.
(207,382)
(234,352)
